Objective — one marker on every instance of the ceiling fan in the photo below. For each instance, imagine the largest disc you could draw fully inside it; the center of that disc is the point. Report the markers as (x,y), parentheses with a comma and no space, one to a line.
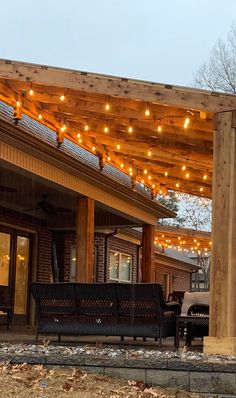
(49,208)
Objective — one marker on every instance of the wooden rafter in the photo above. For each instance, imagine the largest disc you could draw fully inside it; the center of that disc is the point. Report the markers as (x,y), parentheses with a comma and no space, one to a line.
(85,98)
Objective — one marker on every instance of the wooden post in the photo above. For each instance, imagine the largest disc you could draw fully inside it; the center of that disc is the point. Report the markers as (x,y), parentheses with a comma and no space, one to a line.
(148,254)
(84,239)
(222,333)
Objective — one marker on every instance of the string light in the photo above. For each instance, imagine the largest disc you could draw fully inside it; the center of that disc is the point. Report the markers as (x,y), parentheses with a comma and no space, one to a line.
(130,169)
(166,174)
(130,129)
(108,158)
(149,153)
(31,92)
(153,186)
(142,181)
(118,146)
(86,127)
(159,128)
(93,148)
(63,128)
(106,129)
(40,116)
(107,106)
(62,98)
(177,185)
(122,165)
(187,175)
(184,167)
(205,177)
(131,173)
(18,103)
(147,112)
(201,189)
(186,122)
(149,177)
(145,171)
(80,140)
(78,135)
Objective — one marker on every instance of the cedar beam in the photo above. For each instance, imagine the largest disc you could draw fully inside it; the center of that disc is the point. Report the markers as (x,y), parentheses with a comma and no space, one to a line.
(148,253)
(84,239)
(222,333)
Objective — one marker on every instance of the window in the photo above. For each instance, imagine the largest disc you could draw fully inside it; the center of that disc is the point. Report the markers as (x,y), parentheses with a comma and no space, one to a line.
(120,267)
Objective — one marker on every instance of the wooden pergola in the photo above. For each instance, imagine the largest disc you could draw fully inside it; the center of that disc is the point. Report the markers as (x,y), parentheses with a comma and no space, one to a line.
(163,137)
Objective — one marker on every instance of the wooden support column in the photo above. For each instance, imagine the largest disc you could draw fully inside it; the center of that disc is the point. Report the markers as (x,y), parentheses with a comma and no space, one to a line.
(148,272)
(222,333)
(84,239)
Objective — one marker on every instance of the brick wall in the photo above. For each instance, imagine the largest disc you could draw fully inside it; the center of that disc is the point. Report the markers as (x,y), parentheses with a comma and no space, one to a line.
(18,220)
(101,272)
(179,279)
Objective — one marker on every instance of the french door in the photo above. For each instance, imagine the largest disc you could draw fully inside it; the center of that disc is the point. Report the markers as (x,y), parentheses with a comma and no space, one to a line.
(15,253)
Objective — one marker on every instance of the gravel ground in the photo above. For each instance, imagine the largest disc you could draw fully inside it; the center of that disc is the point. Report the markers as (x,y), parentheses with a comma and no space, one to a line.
(21,381)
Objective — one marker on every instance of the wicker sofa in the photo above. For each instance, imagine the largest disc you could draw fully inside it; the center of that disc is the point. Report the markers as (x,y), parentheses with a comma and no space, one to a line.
(108,309)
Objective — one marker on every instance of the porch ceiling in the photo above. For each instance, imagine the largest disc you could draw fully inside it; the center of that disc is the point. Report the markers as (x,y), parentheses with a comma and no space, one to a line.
(161,135)
(36,197)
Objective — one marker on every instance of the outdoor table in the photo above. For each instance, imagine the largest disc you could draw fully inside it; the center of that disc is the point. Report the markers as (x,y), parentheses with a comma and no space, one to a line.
(187,321)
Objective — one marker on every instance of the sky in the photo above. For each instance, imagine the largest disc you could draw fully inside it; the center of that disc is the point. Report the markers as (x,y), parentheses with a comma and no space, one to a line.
(160,41)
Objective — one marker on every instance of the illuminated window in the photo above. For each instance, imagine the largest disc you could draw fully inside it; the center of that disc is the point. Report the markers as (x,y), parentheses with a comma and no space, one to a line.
(120,267)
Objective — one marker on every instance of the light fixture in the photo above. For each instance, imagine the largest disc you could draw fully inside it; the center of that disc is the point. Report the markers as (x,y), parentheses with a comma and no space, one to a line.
(147,112)
(108,158)
(63,128)
(78,135)
(205,177)
(107,106)
(130,129)
(184,167)
(159,128)
(177,185)
(145,171)
(186,122)
(149,153)
(93,148)
(118,146)
(18,103)
(122,165)
(31,92)
(62,98)
(80,140)
(40,116)
(166,174)
(86,127)
(149,177)
(201,189)
(106,129)
(187,175)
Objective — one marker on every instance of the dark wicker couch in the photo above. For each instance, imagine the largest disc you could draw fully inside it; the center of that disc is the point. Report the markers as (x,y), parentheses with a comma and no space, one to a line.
(108,309)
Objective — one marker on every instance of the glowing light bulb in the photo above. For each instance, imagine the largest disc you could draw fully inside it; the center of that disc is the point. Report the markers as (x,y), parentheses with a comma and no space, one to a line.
(78,135)
(40,116)
(62,98)
(130,129)
(153,186)
(122,165)
(187,175)
(80,140)
(130,173)
(201,189)
(142,181)
(31,92)
(130,169)
(63,128)
(86,127)
(183,167)
(106,129)
(149,153)
(145,171)
(186,122)
(147,112)
(177,185)
(108,158)
(149,177)
(204,177)
(107,107)
(166,174)
(159,128)
(93,148)
(18,103)
(118,146)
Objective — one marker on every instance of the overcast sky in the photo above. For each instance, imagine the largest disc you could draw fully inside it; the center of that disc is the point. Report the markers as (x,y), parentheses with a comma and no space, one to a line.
(157,40)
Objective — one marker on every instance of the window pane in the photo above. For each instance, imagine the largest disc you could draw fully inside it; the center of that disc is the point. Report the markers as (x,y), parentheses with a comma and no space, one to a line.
(114,265)
(125,267)
(5,241)
(22,269)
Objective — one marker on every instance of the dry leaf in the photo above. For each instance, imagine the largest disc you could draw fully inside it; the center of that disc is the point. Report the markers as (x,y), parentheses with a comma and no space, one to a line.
(66,386)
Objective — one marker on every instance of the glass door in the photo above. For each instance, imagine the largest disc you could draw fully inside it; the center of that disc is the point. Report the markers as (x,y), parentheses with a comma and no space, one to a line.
(21,275)
(15,249)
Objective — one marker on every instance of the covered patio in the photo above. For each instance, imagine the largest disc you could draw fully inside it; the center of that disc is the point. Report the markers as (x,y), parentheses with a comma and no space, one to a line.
(160,136)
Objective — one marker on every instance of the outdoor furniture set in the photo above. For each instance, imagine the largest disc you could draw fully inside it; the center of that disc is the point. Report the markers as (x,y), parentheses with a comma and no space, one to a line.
(118,309)
(5,303)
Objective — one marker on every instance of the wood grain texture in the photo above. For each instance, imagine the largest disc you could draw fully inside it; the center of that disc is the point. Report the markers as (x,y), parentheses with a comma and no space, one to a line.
(148,258)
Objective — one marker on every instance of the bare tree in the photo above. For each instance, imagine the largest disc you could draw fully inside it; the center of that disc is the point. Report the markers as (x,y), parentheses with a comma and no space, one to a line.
(219,73)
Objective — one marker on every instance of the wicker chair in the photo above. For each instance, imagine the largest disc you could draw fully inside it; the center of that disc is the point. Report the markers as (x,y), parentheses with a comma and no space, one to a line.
(6,303)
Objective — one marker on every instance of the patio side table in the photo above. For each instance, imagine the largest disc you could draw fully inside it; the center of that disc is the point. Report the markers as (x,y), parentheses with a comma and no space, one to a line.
(187,321)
